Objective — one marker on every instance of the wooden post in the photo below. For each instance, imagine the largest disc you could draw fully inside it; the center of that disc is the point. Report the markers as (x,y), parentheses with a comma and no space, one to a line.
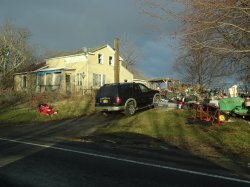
(117,62)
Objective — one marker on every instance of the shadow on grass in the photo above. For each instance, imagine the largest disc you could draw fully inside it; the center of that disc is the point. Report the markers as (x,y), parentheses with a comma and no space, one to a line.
(163,135)
(139,143)
(226,143)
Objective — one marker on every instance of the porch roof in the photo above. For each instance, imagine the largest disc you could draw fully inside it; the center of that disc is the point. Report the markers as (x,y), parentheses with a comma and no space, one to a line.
(52,70)
(161,80)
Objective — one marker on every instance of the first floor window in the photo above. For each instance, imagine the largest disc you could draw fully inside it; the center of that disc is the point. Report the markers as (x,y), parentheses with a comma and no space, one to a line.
(57,78)
(24,81)
(103,79)
(40,80)
(98,79)
(49,79)
(80,77)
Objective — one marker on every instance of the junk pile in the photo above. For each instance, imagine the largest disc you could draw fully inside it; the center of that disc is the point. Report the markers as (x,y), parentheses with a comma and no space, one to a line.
(221,107)
(232,104)
(214,105)
(174,94)
(244,109)
(166,104)
(42,107)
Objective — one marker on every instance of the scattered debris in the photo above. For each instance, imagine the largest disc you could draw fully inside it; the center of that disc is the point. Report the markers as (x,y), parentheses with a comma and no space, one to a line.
(44,109)
(164,147)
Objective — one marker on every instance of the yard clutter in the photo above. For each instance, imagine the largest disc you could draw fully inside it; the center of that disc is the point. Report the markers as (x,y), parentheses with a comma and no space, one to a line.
(44,109)
(211,105)
(209,113)
(166,104)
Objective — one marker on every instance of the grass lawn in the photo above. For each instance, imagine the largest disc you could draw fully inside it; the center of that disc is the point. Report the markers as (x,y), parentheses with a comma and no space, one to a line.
(227,145)
(26,112)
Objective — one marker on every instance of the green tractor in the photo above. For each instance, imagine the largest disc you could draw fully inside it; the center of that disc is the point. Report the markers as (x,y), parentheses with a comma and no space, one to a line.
(235,106)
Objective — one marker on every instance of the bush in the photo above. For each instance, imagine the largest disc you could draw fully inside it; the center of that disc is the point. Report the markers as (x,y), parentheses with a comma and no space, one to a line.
(9,98)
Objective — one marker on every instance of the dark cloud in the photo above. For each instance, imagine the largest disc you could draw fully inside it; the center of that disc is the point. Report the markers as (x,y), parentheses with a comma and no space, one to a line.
(66,25)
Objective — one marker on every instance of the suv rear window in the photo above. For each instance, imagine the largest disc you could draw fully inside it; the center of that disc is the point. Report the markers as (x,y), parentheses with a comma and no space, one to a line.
(107,91)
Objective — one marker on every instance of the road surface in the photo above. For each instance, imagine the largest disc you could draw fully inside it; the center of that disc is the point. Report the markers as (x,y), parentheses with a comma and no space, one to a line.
(49,155)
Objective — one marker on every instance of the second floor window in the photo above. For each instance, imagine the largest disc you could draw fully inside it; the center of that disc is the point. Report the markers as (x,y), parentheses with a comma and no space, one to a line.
(110,60)
(100,59)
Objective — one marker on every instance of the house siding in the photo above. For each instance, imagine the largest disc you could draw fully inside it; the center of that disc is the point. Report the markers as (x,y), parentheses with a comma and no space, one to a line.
(84,64)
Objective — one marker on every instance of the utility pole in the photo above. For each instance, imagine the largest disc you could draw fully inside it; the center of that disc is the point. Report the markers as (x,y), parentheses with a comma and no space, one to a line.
(117,62)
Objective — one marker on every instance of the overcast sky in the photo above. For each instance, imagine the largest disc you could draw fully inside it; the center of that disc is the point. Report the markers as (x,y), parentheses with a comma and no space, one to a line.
(73,24)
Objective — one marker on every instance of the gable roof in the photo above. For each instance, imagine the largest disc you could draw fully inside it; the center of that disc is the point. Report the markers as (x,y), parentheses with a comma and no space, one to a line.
(92,50)
(137,74)
(32,67)
(77,51)
(66,53)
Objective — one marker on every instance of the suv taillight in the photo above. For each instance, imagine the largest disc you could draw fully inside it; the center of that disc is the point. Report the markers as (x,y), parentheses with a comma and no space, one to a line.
(118,100)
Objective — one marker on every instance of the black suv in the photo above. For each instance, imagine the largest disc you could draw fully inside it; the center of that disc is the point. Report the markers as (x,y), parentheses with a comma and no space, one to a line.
(127,97)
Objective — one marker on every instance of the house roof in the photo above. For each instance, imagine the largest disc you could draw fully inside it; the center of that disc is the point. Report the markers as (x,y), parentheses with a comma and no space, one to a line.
(32,67)
(137,74)
(96,48)
(59,54)
(54,69)
(76,52)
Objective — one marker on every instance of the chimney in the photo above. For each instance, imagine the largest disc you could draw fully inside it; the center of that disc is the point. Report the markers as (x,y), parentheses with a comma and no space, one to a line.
(117,62)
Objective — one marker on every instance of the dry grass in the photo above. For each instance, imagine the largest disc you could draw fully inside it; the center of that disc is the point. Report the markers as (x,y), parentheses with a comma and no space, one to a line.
(25,110)
(227,145)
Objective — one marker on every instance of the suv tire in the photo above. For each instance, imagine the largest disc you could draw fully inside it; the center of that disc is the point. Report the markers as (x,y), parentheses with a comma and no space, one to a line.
(157,98)
(130,109)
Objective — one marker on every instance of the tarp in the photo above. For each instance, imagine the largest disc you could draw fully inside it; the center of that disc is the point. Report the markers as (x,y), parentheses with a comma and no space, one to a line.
(46,72)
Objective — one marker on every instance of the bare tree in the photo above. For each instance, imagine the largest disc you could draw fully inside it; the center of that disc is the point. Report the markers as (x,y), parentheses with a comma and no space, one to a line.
(228,20)
(202,65)
(128,53)
(226,25)
(15,52)
(196,68)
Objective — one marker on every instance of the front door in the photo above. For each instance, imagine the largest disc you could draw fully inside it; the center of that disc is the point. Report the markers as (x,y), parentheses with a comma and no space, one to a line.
(68,84)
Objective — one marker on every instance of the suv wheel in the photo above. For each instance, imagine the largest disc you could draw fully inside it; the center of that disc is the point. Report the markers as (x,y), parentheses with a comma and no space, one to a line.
(130,109)
(157,98)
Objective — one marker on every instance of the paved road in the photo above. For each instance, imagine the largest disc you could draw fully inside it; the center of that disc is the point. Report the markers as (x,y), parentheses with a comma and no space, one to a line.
(40,156)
